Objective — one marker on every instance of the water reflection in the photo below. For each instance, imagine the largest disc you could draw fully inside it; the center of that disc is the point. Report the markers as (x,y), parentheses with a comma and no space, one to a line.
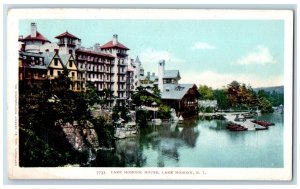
(129,152)
(163,142)
(198,143)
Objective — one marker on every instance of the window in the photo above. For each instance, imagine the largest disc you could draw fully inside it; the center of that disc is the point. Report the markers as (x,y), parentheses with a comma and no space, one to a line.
(51,72)
(41,61)
(71,63)
(55,62)
(73,74)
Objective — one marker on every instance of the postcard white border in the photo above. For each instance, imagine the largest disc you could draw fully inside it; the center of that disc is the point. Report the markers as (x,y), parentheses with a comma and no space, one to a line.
(15,172)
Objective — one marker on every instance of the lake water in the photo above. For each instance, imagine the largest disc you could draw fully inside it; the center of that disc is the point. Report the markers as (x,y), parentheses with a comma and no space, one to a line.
(199,143)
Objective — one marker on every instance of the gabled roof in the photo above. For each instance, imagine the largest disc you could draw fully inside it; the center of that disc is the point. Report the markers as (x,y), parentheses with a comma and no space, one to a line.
(94,53)
(111,45)
(48,57)
(65,58)
(175,91)
(39,37)
(168,74)
(66,34)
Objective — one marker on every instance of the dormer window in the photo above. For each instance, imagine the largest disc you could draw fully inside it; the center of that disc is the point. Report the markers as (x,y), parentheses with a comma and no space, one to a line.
(32,61)
(41,61)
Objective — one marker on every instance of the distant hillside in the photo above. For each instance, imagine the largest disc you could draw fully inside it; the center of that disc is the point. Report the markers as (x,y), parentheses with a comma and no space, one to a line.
(278,89)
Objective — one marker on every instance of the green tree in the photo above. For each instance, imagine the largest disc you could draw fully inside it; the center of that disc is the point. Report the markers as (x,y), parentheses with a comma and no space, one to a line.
(42,141)
(164,112)
(146,97)
(206,93)
(264,105)
(233,90)
(42,110)
(104,132)
(222,98)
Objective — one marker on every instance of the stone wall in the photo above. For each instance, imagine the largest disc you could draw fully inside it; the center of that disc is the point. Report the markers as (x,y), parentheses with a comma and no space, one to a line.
(81,135)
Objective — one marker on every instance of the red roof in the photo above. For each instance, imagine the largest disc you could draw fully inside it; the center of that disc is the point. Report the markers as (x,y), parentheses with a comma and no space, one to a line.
(111,45)
(66,34)
(38,37)
(94,53)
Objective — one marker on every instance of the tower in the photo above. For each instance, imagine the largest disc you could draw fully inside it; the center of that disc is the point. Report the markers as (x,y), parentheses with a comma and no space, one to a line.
(161,71)
(67,43)
(119,68)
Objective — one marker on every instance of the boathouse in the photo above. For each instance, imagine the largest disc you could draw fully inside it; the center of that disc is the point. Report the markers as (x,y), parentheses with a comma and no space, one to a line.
(182,97)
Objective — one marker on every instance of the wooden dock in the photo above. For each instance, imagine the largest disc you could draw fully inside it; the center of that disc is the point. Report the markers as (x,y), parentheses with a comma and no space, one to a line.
(231,117)
(247,123)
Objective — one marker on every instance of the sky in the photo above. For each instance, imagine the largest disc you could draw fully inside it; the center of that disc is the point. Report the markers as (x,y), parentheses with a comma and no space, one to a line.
(206,52)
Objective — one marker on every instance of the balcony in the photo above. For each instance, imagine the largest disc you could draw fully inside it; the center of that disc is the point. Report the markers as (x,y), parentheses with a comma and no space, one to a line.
(110,72)
(122,62)
(122,54)
(108,80)
(122,72)
(70,44)
(122,90)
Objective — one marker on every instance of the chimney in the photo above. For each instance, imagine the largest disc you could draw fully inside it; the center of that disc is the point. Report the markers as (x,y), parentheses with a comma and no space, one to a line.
(33,29)
(153,74)
(97,47)
(115,39)
(78,43)
(148,75)
(20,38)
(56,51)
(161,71)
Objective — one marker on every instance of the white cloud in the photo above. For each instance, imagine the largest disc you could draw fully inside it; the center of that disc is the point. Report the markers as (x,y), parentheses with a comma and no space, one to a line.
(260,55)
(203,46)
(151,56)
(218,80)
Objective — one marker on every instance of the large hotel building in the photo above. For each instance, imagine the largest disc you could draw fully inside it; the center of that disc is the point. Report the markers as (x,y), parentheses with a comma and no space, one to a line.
(107,66)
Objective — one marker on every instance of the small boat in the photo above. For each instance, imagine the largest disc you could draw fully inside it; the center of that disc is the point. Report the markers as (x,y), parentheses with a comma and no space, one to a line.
(239,129)
(235,127)
(258,127)
(263,123)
